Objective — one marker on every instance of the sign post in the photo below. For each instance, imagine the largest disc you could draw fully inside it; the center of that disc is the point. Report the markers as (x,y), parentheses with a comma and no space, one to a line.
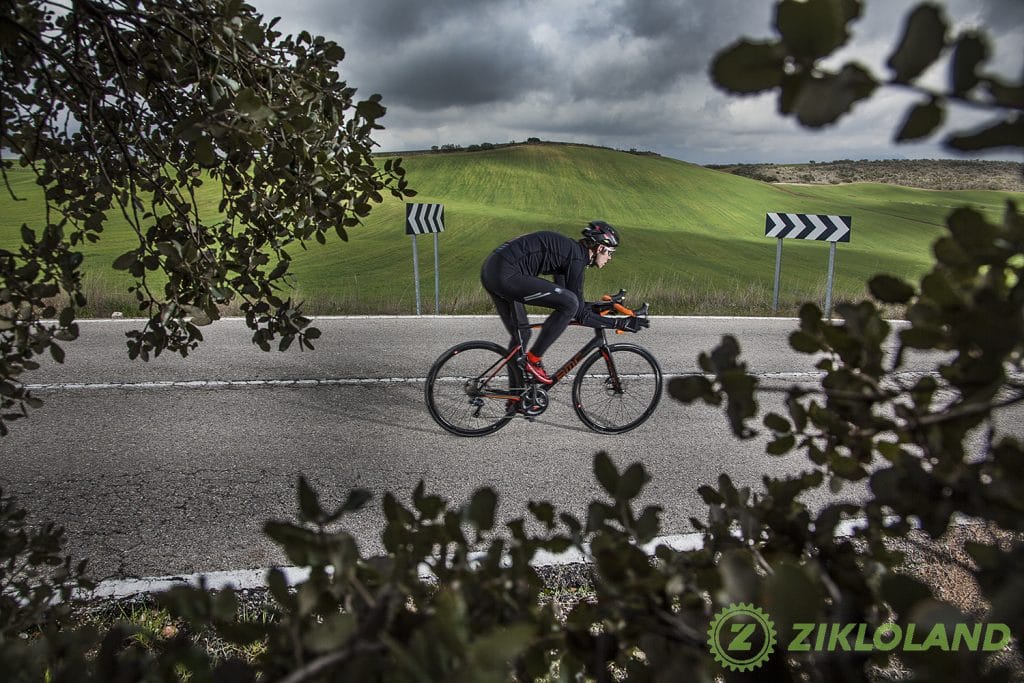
(823,228)
(423,219)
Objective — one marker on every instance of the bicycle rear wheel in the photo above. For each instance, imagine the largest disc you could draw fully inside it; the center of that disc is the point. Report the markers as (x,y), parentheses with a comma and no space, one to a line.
(471,390)
(617,388)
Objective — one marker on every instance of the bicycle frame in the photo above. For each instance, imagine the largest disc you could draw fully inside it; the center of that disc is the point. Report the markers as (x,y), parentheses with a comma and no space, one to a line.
(598,341)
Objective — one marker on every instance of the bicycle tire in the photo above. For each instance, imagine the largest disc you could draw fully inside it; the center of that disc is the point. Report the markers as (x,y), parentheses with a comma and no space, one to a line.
(606,409)
(467,410)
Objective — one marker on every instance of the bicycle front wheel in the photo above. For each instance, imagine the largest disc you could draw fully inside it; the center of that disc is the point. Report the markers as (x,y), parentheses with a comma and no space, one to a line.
(617,388)
(470,389)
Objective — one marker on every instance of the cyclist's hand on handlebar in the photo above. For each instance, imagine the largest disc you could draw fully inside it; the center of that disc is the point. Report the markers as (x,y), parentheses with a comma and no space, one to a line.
(632,324)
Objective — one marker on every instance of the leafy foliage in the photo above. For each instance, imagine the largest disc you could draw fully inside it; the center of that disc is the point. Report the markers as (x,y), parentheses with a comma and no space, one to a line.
(478,615)
(809,31)
(121,106)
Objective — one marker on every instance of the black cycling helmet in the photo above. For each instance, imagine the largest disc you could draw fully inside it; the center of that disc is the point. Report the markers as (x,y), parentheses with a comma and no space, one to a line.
(600,233)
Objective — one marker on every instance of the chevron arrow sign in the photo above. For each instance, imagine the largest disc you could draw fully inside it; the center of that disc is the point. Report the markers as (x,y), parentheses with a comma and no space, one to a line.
(807,226)
(422,219)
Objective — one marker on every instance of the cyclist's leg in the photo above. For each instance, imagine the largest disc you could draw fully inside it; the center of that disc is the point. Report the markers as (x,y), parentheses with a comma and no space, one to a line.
(539,292)
(513,317)
(496,278)
(565,305)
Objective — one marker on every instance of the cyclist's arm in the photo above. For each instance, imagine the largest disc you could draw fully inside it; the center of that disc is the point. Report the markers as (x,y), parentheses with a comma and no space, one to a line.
(585,315)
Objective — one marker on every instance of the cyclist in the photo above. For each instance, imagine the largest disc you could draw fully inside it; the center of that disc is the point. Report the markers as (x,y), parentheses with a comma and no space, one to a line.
(511,275)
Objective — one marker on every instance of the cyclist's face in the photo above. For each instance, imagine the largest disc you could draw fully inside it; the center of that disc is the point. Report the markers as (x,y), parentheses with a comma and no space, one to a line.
(603,255)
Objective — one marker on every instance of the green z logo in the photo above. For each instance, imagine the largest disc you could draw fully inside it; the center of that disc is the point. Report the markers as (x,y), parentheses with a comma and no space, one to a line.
(741,643)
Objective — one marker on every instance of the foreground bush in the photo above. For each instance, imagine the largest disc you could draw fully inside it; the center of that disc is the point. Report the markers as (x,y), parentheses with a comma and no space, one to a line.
(479,615)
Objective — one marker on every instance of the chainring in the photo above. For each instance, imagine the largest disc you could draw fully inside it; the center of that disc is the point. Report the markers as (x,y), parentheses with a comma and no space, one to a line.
(535,401)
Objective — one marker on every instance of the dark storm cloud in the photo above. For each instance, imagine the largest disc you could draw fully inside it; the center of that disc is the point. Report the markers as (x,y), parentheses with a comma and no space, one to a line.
(384,24)
(647,46)
(691,29)
(432,55)
(620,73)
(473,69)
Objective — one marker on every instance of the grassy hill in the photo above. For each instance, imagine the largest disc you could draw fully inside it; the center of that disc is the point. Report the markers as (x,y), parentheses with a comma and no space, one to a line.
(693,237)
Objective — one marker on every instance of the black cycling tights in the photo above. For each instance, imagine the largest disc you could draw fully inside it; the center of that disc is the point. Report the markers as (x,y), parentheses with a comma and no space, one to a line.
(510,291)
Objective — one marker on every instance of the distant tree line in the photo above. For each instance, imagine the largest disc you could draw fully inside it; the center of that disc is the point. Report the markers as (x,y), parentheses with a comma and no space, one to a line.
(487,146)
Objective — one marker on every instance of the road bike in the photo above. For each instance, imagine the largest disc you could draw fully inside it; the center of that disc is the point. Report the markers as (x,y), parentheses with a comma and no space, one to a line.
(477,387)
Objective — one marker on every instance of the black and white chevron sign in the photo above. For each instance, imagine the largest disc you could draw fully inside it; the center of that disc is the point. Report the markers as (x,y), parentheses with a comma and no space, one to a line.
(808,226)
(422,219)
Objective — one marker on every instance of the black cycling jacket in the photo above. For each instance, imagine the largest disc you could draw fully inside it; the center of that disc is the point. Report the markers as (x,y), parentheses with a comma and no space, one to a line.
(563,258)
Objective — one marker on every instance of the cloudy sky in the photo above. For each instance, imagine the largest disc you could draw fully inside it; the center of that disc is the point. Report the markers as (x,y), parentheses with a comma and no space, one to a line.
(628,74)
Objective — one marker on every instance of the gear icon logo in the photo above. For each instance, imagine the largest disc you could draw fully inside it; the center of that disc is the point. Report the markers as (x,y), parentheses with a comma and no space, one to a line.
(741,637)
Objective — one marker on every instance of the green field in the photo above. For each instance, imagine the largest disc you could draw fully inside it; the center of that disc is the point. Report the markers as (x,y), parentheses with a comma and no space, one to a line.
(693,237)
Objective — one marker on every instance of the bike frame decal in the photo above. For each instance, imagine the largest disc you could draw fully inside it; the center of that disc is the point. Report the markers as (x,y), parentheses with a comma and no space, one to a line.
(598,341)
(569,365)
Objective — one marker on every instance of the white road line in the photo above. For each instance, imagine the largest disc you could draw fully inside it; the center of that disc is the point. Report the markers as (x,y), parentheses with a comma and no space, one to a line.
(222,384)
(250,579)
(346,381)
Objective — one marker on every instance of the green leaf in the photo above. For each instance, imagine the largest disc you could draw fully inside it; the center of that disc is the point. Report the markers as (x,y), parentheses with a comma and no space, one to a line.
(649,524)
(791,597)
(782,445)
(777,423)
(253,33)
(597,514)
(922,119)
(970,51)
(1006,94)
(607,475)
(543,512)
(740,581)
(309,503)
(56,352)
(357,500)
(804,343)
(249,103)
(126,260)
(820,101)
(206,154)
(329,633)
(493,651)
(689,388)
(748,67)
(890,290)
(924,38)
(1008,134)
(710,495)
(294,540)
(632,482)
(814,28)
(797,412)
(482,509)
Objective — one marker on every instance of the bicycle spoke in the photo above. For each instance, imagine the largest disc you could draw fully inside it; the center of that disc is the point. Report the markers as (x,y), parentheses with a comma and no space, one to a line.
(470,389)
(617,392)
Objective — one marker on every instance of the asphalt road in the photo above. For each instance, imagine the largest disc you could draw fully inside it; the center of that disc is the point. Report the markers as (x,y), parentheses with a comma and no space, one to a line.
(173,466)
